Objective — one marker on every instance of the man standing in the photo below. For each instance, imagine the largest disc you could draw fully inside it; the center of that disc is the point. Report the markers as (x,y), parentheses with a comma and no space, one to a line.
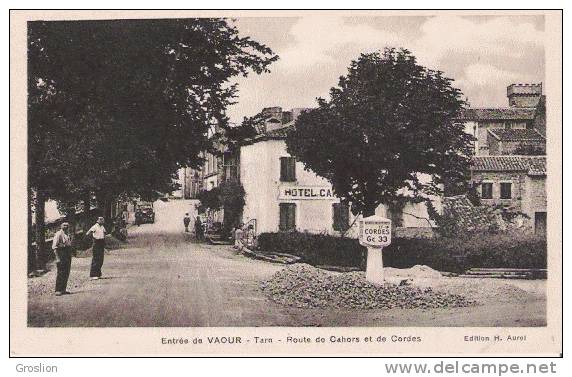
(238,236)
(186,221)
(62,248)
(198,229)
(125,216)
(138,217)
(98,231)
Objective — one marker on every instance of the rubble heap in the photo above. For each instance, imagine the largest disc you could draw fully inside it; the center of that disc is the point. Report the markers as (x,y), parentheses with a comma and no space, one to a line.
(304,286)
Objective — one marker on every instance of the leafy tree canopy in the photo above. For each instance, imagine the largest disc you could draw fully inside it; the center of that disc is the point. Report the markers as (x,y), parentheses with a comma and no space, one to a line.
(388,123)
(117,106)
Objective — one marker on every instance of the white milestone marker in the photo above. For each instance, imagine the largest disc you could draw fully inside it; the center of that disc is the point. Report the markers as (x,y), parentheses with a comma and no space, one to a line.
(375,234)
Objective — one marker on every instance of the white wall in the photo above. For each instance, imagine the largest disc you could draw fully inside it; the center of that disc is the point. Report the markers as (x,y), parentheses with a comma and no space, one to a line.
(260,177)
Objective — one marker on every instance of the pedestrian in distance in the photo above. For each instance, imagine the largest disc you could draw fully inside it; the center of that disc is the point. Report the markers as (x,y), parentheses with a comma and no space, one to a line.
(61,245)
(186,222)
(250,237)
(198,228)
(138,217)
(238,236)
(98,232)
(125,216)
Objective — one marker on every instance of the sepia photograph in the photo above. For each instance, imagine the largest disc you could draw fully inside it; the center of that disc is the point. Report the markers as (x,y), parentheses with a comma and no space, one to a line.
(295,172)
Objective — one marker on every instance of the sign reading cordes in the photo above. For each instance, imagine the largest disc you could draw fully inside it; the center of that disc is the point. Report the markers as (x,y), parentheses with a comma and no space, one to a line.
(375,232)
(306,193)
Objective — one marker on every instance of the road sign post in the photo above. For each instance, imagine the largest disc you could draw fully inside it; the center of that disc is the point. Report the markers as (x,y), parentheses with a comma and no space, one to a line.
(375,234)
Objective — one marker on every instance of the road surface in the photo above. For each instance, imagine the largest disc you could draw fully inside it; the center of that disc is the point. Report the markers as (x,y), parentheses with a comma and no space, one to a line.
(163,278)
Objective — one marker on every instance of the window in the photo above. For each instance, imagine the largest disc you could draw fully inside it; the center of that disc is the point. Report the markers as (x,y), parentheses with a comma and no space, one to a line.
(487,191)
(505,190)
(540,223)
(230,167)
(287,216)
(287,169)
(341,214)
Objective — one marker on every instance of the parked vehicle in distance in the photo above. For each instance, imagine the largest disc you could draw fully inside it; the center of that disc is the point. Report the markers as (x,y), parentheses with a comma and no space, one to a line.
(144,214)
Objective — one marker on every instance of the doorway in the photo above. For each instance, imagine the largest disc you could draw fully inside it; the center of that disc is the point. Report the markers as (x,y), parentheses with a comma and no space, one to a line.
(540,223)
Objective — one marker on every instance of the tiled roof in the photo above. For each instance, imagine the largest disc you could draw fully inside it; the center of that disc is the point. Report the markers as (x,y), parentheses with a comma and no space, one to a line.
(533,165)
(280,133)
(499,113)
(276,134)
(516,135)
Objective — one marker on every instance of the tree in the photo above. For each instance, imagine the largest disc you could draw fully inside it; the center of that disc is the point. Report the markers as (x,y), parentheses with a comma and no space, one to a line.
(118,106)
(229,196)
(389,123)
(232,198)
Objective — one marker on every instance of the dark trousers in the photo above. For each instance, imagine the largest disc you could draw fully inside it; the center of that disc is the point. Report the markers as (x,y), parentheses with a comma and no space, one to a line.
(97,259)
(64,256)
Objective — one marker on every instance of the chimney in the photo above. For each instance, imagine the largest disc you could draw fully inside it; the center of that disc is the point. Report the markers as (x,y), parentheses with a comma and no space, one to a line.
(272,112)
(523,95)
(286,117)
(273,117)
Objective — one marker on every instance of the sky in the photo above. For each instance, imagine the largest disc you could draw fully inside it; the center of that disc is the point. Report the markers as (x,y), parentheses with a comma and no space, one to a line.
(483,54)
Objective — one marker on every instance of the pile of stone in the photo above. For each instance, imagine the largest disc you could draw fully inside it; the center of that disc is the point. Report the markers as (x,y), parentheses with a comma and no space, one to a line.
(304,286)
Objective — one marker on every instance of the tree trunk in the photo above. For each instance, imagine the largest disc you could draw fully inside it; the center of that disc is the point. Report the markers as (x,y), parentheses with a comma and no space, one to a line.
(86,212)
(369,211)
(107,211)
(104,203)
(40,251)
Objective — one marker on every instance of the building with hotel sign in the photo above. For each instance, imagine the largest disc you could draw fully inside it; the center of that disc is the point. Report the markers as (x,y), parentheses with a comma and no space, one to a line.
(281,195)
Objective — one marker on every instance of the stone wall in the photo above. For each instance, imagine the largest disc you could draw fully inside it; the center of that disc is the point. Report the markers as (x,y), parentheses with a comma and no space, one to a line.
(511,147)
(497,148)
(534,195)
(524,100)
(528,192)
(516,178)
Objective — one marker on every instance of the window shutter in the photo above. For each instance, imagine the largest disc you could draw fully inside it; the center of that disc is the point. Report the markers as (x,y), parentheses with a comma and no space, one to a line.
(287,169)
(292,169)
(283,218)
(487,191)
(287,216)
(292,217)
(344,217)
(336,212)
(341,217)
(283,168)
(506,190)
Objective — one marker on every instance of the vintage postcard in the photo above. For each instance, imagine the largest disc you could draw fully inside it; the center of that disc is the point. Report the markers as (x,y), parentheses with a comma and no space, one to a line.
(286,183)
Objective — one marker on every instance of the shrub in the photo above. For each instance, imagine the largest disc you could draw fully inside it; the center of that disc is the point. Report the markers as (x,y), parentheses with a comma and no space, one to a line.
(315,249)
(458,254)
(229,195)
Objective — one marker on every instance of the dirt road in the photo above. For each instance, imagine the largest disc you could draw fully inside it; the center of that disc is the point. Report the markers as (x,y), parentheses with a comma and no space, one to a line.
(162,277)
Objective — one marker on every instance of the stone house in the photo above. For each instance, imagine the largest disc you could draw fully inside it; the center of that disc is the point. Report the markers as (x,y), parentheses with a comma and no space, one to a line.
(517,183)
(514,141)
(526,111)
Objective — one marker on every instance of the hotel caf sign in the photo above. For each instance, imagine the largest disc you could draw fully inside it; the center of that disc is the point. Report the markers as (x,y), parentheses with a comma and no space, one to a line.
(306,193)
